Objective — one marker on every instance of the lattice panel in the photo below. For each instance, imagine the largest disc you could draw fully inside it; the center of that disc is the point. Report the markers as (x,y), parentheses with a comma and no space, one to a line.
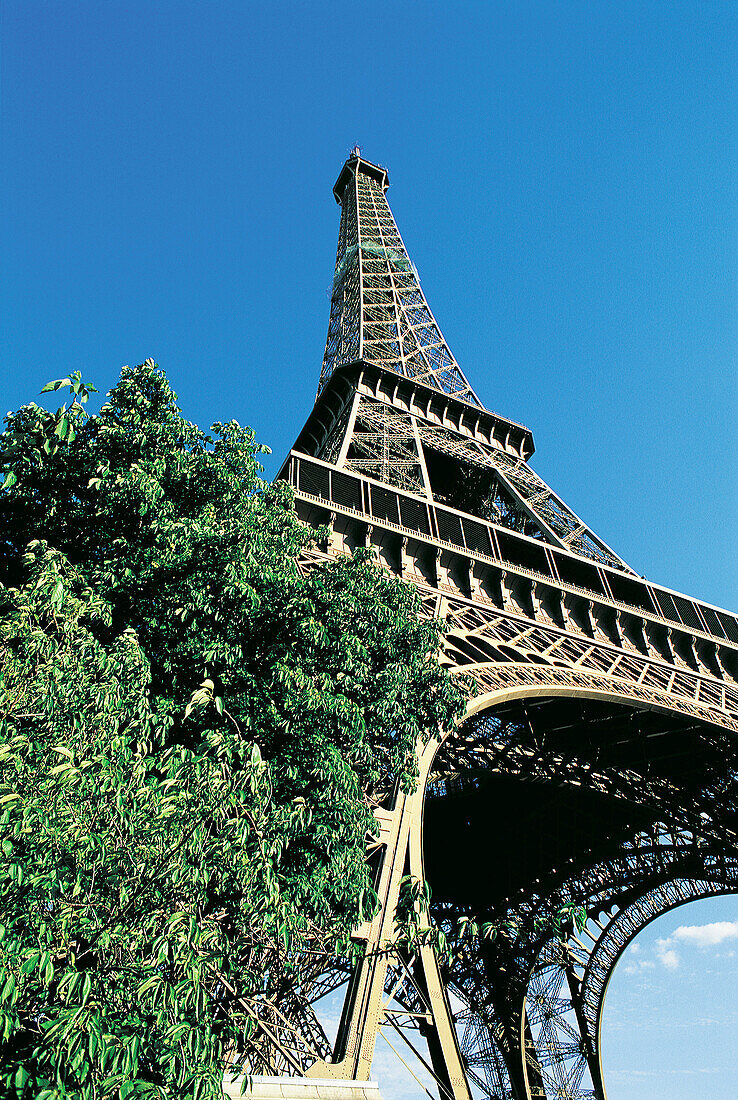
(557,521)
(383,446)
(549,985)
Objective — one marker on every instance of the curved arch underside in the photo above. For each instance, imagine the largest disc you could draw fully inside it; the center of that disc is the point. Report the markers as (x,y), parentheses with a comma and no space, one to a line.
(564,996)
(565,793)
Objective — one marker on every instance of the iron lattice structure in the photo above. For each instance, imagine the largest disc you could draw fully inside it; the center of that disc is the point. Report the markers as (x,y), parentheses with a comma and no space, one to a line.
(597,766)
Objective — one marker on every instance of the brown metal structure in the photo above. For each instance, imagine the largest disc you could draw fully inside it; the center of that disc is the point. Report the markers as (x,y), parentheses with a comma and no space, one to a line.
(597,764)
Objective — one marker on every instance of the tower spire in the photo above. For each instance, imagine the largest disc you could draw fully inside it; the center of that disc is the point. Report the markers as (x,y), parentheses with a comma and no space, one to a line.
(378,310)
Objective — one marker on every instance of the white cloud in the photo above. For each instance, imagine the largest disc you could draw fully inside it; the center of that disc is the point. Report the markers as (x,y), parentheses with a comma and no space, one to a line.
(634,961)
(666,954)
(636,965)
(693,935)
(706,935)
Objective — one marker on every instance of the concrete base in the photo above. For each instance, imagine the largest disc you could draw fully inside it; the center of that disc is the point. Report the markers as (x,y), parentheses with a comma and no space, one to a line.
(300,1088)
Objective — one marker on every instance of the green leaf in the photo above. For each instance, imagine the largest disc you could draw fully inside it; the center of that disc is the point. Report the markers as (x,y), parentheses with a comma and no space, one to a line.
(56,385)
(57,596)
(8,990)
(30,963)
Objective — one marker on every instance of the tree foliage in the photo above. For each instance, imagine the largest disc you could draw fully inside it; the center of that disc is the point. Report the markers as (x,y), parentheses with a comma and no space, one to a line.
(190,726)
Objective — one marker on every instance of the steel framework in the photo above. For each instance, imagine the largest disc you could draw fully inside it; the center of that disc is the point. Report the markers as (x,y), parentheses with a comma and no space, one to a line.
(597,767)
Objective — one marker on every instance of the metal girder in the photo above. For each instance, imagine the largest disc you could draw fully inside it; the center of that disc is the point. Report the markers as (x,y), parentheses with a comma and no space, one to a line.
(569,979)
(554,519)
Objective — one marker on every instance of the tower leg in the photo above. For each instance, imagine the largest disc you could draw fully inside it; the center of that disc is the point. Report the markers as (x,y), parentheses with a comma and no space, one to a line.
(364,1009)
(593,1058)
(441,1034)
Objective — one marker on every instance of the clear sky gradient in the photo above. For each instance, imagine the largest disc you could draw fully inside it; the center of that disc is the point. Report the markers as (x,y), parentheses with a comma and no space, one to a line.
(564,176)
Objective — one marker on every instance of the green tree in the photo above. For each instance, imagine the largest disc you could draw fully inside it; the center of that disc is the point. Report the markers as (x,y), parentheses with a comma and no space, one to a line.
(191,724)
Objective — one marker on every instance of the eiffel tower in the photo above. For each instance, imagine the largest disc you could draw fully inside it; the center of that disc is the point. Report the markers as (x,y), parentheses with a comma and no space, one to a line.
(596,769)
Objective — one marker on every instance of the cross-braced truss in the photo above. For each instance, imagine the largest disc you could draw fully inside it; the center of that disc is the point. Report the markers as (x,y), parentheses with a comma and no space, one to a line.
(596,772)
(378,310)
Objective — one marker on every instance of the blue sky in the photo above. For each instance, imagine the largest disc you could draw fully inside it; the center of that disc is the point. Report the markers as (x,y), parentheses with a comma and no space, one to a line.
(564,176)
(671,1016)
